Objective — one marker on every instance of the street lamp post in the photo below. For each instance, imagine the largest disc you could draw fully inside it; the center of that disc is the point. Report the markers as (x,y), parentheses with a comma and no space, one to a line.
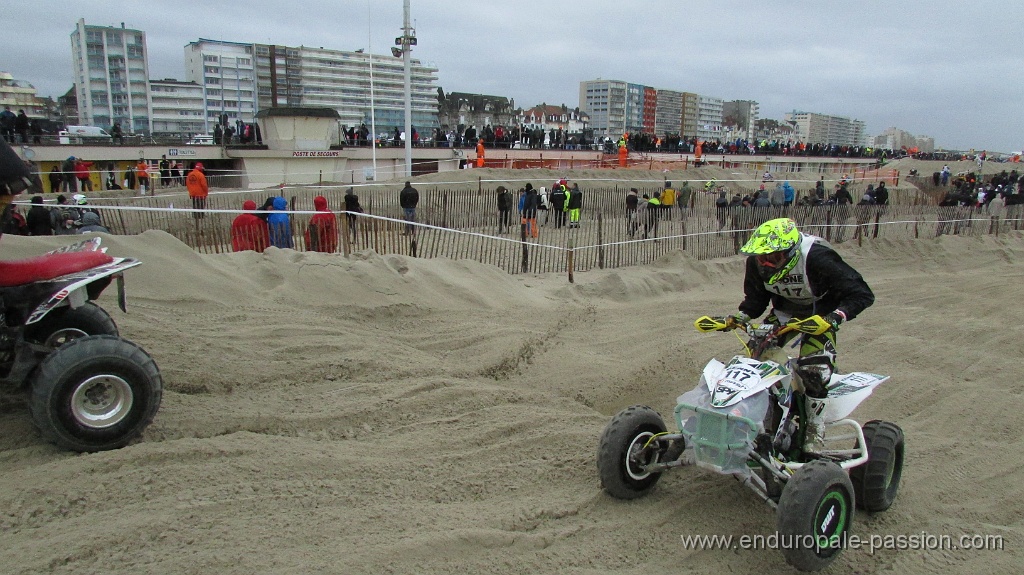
(407,40)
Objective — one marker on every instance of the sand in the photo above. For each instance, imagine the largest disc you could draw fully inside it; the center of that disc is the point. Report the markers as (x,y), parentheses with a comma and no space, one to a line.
(382,414)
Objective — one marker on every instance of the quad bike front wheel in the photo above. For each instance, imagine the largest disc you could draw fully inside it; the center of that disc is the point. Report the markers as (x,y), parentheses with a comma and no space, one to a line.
(66,323)
(626,447)
(814,515)
(876,482)
(95,393)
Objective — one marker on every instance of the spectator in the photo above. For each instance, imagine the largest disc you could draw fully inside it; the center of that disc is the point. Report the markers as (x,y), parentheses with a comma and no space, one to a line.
(197,190)
(574,204)
(38,219)
(13,222)
(176,177)
(881,195)
(632,205)
(504,209)
(116,136)
(528,210)
(165,172)
(91,223)
(142,175)
(558,197)
(352,208)
(408,198)
(668,200)
(67,168)
(56,178)
(129,178)
(788,193)
(83,174)
(722,208)
(322,233)
(7,122)
(21,123)
(544,203)
(279,224)
(36,127)
(63,217)
(653,212)
(249,231)
(683,199)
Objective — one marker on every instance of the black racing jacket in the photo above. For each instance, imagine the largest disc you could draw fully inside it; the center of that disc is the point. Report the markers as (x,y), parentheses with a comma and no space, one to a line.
(834,281)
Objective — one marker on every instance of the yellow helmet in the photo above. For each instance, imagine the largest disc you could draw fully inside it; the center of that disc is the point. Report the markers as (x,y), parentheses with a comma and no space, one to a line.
(775,247)
(778,235)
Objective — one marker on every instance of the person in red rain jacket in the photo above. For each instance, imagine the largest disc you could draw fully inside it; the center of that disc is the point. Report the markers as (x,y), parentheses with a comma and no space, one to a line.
(249,231)
(322,233)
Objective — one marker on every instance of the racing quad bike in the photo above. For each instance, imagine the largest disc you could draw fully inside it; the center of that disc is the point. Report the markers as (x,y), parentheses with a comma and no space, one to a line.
(90,390)
(747,418)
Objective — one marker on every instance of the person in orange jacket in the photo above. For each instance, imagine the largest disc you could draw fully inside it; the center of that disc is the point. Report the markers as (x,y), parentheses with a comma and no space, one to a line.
(197,189)
(322,233)
(249,231)
(623,152)
(142,176)
(480,153)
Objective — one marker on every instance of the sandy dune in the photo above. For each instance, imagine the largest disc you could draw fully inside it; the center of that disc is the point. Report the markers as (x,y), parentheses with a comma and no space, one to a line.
(391,415)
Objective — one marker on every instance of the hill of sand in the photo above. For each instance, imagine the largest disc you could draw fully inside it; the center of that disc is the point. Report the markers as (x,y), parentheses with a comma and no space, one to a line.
(382,414)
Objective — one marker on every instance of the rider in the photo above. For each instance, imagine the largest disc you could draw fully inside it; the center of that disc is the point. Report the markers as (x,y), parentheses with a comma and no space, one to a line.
(15,177)
(801,276)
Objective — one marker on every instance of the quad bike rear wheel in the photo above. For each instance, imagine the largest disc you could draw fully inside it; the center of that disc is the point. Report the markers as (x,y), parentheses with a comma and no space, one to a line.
(66,323)
(876,482)
(814,515)
(626,447)
(95,393)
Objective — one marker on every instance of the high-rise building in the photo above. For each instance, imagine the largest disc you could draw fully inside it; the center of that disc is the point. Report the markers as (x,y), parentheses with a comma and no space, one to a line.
(616,107)
(342,80)
(668,115)
(740,116)
(111,74)
(278,76)
(814,128)
(709,118)
(177,108)
(226,72)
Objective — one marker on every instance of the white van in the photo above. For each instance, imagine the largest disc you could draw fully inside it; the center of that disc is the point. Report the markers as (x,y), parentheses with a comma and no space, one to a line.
(86,132)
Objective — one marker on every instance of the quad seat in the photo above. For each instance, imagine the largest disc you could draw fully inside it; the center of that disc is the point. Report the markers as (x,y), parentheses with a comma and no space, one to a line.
(49,266)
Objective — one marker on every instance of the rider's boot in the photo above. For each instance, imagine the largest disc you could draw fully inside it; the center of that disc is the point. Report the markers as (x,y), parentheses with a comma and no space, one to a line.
(814,438)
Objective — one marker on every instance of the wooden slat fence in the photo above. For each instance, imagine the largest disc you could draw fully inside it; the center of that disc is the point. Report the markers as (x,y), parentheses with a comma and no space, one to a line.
(463,224)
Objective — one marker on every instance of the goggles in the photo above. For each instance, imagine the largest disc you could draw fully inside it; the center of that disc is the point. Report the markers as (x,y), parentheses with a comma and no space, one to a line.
(772,260)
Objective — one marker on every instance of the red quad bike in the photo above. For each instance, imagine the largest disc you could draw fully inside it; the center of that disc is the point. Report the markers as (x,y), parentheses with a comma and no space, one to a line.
(90,389)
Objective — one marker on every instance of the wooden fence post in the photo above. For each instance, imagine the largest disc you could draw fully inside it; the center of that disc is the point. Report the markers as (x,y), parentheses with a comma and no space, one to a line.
(526,249)
(570,257)
(600,241)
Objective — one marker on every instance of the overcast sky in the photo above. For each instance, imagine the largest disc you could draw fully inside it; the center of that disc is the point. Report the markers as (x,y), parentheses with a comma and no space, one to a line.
(952,70)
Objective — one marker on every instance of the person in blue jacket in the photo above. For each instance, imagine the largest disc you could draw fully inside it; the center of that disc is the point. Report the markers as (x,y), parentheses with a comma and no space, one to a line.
(280,224)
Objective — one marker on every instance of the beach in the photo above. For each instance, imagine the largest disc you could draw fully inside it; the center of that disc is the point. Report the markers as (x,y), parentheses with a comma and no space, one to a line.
(387,414)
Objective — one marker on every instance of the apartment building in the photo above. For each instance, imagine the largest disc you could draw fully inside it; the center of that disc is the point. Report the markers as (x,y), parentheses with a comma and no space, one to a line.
(343,81)
(616,107)
(111,73)
(739,117)
(824,129)
(226,72)
(668,115)
(177,108)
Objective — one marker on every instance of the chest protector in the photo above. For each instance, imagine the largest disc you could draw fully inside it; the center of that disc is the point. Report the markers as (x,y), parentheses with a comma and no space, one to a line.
(795,287)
